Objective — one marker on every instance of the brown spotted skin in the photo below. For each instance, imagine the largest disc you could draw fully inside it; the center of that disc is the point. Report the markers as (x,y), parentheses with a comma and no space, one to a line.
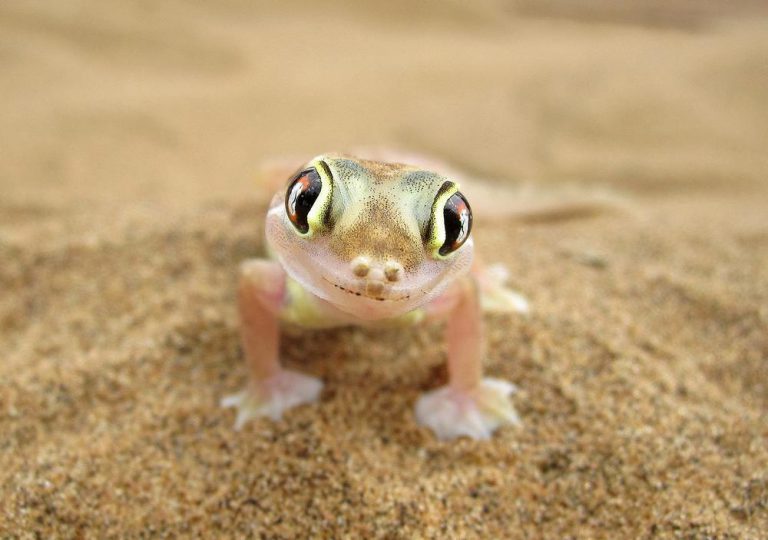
(380,210)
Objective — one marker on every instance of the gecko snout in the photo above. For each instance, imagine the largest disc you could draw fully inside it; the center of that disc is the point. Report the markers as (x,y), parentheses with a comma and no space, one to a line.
(376,277)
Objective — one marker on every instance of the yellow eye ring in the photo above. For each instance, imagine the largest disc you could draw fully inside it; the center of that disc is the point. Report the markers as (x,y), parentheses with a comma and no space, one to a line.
(451,221)
(307,198)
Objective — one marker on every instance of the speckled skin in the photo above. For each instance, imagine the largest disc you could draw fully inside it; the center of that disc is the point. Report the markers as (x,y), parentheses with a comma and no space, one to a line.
(370,256)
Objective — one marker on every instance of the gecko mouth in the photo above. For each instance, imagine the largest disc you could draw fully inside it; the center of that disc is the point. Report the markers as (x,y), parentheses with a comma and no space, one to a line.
(363,294)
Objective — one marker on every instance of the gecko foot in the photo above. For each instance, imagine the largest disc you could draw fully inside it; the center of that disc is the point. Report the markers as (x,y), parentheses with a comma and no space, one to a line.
(496,297)
(452,413)
(273,396)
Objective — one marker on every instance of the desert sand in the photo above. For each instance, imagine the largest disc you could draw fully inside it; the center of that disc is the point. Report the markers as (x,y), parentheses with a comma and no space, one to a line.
(131,137)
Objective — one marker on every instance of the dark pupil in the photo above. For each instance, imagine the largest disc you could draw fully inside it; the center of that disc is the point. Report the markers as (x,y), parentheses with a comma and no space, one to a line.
(301,195)
(458,222)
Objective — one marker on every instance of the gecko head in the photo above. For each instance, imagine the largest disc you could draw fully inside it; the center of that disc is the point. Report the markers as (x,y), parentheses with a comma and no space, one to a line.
(374,239)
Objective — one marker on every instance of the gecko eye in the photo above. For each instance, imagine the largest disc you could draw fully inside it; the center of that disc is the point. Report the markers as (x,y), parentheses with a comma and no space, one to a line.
(457,219)
(303,191)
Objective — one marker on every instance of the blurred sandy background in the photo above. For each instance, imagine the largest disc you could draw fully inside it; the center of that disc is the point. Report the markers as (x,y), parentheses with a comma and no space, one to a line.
(130,136)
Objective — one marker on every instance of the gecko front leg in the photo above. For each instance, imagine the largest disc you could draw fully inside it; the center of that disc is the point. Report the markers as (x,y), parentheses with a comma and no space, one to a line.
(271,389)
(469,405)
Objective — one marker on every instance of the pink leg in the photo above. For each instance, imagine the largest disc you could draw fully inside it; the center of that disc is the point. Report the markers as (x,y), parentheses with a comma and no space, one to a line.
(469,405)
(259,295)
(464,336)
(271,389)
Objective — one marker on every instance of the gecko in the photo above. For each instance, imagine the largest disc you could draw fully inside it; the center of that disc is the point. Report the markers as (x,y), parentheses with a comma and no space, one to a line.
(371,242)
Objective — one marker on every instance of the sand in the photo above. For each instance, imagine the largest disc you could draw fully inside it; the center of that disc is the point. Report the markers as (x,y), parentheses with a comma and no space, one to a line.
(131,136)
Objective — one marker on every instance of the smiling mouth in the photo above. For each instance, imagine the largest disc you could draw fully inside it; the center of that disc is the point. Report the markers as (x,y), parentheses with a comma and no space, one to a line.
(362,294)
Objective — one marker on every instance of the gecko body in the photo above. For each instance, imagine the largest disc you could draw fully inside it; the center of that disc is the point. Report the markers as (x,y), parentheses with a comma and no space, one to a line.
(372,243)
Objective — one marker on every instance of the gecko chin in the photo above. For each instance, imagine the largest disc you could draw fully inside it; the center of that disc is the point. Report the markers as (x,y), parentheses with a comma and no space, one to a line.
(365,300)
(369,303)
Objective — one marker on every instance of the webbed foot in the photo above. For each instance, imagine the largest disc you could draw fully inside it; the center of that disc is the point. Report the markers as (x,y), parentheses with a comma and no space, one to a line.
(496,297)
(272,396)
(476,413)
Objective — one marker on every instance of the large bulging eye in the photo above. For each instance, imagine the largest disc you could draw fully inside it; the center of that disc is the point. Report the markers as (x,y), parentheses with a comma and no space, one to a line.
(302,193)
(457,218)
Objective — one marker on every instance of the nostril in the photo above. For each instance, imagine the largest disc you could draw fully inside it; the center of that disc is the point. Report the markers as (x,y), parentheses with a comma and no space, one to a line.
(393,271)
(361,266)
